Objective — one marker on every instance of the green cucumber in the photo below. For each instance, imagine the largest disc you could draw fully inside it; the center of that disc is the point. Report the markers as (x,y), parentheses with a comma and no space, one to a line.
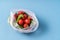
(19,17)
(19,26)
(31,21)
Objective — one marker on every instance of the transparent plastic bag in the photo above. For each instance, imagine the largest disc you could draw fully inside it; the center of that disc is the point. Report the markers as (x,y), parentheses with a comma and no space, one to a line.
(33,26)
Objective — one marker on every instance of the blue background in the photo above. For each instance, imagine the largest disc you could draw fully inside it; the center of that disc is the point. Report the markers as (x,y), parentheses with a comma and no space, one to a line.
(47,12)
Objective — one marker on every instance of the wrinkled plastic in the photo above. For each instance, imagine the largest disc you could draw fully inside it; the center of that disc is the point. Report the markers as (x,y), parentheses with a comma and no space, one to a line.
(33,26)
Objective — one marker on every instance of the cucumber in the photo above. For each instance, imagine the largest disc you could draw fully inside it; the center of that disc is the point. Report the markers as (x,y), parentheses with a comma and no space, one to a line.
(31,21)
(19,26)
(19,17)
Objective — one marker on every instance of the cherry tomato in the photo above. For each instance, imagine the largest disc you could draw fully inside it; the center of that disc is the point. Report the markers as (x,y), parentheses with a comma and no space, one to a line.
(25,25)
(20,12)
(20,22)
(25,16)
(15,16)
(27,21)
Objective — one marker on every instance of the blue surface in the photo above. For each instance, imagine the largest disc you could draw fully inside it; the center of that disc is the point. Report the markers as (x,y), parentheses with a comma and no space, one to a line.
(47,12)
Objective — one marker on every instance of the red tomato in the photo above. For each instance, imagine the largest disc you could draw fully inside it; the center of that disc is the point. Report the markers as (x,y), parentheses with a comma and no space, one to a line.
(25,16)
(27,21)
(25,25)
(20,22)
(20,12)
(15,16)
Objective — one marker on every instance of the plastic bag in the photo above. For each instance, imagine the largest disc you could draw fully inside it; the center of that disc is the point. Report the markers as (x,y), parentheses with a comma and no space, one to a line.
(33,26)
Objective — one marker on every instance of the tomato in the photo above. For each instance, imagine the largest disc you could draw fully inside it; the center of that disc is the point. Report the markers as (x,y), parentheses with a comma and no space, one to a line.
(27,21)
(15,16)
(25,25)
(20,22)
(20,12)
(25,16)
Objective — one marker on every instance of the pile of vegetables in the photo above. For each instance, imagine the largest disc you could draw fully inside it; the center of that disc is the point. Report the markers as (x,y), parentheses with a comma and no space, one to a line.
(23,19)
